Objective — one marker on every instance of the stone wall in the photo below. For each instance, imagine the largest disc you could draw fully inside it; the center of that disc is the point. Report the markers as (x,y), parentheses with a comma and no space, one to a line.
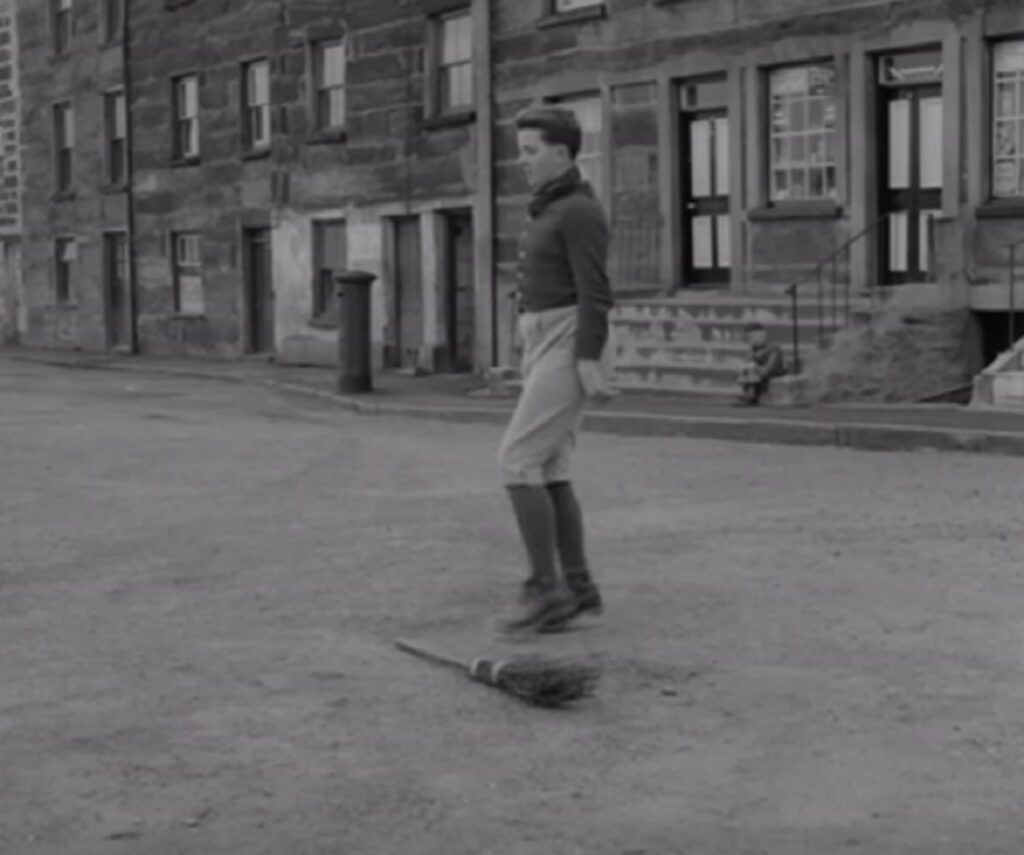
(388,162)
(10,124)
(11,318)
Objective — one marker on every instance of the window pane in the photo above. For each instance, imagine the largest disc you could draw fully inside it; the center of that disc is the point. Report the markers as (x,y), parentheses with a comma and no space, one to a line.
(930,153)
(456,35)
(1006,99)
(337,107)
(457,86)
(1009,57)
(257,84)
(190,294)
(332,64)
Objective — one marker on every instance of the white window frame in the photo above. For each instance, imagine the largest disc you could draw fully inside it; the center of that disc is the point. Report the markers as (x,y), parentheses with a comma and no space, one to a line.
(64,146)
(1007,127)
(186,262)
(186,116)
(330,82)
(454,53)
(325,300)
(65,253)
(62,24)
(560,7)
(113,20)
(808,151)
(256,105)
(115,120)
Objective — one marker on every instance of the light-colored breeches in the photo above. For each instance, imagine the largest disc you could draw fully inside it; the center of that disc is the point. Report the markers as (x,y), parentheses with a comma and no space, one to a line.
(542,433)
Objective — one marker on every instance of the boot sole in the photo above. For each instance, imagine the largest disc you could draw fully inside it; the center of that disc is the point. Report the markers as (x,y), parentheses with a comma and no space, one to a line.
(560,623)
(556,612)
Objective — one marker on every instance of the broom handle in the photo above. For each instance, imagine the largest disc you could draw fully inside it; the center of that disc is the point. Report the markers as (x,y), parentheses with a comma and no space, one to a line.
(431,655)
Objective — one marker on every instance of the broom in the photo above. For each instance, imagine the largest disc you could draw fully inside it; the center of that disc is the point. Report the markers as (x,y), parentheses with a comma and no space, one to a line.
(534,679)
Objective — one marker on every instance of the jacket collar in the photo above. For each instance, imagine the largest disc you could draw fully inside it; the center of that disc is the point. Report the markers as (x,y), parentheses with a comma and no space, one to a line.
(565,184)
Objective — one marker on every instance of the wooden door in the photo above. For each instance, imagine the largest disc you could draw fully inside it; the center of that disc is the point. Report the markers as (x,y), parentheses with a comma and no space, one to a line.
(259,290)
(460,320)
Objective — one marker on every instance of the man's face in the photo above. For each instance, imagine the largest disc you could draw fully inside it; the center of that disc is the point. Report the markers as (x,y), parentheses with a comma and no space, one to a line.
(541,161)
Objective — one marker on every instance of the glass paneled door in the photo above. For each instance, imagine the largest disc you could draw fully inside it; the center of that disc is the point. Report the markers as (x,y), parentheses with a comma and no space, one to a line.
(704,136)
(911,166)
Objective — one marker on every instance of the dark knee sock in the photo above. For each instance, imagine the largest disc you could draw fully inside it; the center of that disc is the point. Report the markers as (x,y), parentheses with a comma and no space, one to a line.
(569,526)
(536,518)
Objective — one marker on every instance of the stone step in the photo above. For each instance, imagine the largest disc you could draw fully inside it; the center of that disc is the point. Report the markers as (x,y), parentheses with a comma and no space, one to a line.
(765,311)
(732,354)
(669,378)
(690,331)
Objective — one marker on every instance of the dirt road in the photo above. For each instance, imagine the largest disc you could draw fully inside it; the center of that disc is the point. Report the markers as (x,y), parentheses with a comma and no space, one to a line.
(807,651)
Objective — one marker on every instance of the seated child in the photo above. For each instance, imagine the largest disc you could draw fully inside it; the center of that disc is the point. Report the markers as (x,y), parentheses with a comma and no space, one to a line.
(766,362)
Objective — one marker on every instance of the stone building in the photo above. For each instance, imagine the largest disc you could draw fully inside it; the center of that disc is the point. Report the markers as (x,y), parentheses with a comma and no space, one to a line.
(74,175)
(741,147)
(740,144)
(11,315)
(275,142)
(195,172)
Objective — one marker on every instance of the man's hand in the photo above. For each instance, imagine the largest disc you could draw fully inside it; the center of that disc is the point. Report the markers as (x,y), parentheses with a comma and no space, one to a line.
(595,384)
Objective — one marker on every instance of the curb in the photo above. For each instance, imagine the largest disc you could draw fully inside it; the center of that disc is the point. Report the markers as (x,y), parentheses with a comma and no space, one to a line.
(852,435)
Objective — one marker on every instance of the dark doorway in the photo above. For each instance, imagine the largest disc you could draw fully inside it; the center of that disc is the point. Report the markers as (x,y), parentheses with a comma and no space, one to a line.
(459,298)
(704,156)
(259,291)
(911,145)
(406,296)
(118,299)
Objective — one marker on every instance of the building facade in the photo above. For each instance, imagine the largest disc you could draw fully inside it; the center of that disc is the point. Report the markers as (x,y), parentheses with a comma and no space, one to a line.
(193,174)
(259,147)
(739,143)
(12,318)
(74,175)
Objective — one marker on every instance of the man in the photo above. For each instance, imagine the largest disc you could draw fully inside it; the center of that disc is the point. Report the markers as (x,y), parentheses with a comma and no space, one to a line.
(564,299)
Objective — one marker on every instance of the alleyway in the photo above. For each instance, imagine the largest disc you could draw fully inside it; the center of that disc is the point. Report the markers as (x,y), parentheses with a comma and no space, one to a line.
(807,651)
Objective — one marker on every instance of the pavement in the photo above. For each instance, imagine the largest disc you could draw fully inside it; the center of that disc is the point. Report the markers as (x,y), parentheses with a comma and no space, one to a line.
(809,651)
(941,427)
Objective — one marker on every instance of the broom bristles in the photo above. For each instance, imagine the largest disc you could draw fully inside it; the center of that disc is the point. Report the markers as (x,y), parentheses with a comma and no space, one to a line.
(539,681)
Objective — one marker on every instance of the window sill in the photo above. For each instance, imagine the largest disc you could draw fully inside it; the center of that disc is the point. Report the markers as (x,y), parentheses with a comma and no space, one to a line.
(111,189)
(256,153)
(179,162)
(67,307)
(576,16)
(328,136)
(450,120)
(796,211)
(1001,209)
(439,7)
(177,316)
(323,323)
(63,196)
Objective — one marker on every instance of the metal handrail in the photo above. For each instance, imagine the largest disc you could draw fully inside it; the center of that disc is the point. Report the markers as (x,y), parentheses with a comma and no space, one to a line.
(831,259)
(1012,302)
